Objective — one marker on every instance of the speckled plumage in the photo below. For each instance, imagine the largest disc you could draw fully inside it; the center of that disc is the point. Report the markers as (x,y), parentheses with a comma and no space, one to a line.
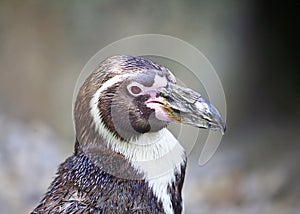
(82,187)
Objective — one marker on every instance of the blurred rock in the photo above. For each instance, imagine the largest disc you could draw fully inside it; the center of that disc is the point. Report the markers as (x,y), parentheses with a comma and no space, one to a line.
(29,156)
(244,180)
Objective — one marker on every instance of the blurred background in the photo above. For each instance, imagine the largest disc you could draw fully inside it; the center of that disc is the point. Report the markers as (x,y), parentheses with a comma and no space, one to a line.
(253,45)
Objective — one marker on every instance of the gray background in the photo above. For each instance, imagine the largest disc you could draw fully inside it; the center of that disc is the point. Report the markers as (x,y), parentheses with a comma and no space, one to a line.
(254,47)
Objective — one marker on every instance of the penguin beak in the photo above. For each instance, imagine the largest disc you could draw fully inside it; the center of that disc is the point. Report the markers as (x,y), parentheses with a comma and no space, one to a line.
(188,107)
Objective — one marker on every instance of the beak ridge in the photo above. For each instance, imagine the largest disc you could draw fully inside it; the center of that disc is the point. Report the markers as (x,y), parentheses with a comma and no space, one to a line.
(189,107)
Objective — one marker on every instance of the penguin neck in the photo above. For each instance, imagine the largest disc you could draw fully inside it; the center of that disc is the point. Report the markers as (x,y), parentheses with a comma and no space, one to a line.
(152,154)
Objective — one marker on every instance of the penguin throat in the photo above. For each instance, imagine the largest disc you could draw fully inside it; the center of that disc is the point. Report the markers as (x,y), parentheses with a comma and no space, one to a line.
(152,154)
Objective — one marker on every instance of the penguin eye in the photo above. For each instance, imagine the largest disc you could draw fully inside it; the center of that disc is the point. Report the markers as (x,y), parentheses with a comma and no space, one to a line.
(135,89)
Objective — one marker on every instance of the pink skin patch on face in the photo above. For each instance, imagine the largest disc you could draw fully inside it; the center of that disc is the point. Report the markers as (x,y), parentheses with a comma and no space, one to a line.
(157,105)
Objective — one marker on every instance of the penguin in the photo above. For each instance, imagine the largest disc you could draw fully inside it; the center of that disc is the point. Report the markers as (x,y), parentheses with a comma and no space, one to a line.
(125,159)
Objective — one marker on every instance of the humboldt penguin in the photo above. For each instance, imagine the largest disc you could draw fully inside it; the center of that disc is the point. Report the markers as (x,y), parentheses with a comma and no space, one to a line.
(125,160)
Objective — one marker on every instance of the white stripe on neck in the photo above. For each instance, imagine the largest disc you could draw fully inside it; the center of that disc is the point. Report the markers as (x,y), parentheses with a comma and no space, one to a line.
(158,155)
